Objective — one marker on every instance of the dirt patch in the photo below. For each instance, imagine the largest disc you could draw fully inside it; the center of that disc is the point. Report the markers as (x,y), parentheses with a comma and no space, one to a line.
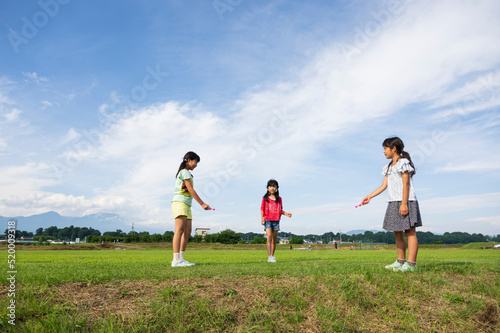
(121,298)
(488,317)
(299,304)
(131,299)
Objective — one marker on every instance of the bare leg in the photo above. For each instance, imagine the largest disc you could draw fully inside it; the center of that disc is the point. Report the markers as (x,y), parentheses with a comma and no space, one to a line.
(186,234)
(411,234)
(269,233)
(180,223)
(400,245)
(273,245)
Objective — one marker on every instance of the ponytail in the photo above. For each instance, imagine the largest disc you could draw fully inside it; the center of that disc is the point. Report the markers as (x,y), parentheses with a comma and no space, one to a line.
(406,155)
(182,166)
(398,143)
(189,156)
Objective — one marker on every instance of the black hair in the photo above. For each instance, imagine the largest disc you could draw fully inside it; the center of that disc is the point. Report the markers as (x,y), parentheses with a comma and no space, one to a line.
(398,143)
(190,155)
(272,182)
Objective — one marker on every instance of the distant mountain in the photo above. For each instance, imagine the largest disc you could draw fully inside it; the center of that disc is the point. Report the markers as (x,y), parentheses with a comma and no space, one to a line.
(100,221)
(355,232)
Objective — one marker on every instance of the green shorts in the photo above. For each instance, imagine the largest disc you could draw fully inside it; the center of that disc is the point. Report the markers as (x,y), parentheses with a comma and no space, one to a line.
(181,209)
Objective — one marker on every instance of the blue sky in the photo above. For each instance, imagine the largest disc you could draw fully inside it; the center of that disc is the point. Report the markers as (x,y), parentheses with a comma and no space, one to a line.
(99,101)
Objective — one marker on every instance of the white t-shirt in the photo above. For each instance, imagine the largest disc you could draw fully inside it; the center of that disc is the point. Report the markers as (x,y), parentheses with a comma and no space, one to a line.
(395,180)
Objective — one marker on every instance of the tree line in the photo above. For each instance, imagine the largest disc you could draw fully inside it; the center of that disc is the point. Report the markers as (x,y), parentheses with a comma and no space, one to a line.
(427,237)
(229,236)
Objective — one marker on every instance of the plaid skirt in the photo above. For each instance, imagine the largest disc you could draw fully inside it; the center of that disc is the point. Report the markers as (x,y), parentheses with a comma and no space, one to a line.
(393,221)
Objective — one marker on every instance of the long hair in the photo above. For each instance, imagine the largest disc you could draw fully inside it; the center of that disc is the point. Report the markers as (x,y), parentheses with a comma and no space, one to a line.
(190,155)
(272,182)
(398,143)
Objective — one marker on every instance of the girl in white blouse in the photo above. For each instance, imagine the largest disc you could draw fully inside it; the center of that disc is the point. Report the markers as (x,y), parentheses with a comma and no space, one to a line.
(402,214)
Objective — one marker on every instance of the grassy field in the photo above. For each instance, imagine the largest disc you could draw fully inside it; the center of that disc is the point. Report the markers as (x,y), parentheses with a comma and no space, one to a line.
(233,288)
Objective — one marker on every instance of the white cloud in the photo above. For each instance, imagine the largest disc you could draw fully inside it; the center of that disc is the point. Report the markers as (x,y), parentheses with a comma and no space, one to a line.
(486,164)
(24,179)
(69,205)
(475,140)
(414,61)
(46,104)
(6,102)
(33,77)
(460,203)
(12,115)
(158,127)
(70,136)
(480,94)
(3,146)
(493,220)
(417,58)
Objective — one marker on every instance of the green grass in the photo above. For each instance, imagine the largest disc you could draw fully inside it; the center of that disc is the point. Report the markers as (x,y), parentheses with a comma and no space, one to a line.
(478,245)
(233,289)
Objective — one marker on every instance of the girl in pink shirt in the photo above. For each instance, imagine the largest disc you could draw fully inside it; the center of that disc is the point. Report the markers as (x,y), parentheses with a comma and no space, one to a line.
(271,211)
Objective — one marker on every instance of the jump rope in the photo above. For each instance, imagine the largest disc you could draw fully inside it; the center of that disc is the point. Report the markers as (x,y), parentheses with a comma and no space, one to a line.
(297,210)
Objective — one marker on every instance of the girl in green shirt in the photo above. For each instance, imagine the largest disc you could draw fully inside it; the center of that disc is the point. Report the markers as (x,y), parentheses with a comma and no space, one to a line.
(181,207)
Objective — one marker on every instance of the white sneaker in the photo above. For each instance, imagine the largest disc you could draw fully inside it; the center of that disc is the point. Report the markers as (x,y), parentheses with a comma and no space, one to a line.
(271,259)
(395,266)
(188,263)
(407,268)
(180,263)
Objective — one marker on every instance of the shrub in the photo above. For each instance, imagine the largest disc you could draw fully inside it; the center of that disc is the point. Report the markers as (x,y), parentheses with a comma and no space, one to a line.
(228,236)
(259,240)
(168,236)
(297,240)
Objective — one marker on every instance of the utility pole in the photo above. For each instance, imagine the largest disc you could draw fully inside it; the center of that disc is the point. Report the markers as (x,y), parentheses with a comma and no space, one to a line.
(340,231)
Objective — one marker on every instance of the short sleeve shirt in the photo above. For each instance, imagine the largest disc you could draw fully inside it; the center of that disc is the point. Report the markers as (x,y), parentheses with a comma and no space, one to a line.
(272,209)
(395,180)
(180,194)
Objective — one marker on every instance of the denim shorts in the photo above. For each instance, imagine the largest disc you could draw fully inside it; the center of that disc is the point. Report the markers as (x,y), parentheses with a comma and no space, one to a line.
(273,225)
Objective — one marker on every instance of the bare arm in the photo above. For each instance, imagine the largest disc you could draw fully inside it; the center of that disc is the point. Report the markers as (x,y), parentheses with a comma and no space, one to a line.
(403,209)
(285,213)
(376,192)
(262,217)
(195,195)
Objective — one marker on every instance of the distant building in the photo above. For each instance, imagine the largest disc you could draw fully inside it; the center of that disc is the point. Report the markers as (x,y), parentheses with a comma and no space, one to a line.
(284,241)
(202,231)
